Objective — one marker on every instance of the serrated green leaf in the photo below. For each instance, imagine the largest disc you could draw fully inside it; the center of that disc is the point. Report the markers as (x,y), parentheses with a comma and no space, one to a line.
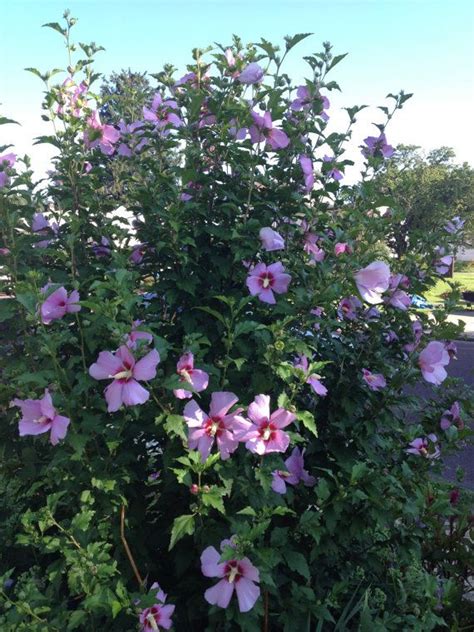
(292,40)
(175,426)
(183,525)
(213,498)
(297,562)
(308,421)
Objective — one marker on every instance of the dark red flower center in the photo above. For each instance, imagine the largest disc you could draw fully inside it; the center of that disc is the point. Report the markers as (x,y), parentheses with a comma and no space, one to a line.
(233,571)
(214,426)
(266,280)
(267,431)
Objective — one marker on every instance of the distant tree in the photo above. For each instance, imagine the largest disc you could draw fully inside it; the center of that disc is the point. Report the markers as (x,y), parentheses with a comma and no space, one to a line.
(425,191)
(125,93)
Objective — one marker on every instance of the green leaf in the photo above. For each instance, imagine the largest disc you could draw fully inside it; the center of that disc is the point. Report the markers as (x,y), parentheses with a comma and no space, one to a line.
(247,511)
(75,619)
(56,27)
(291,41)
(336,60)
(214,313)
(35,71)
(6,121)
(174,426)
(116,608)
(297,562)
(182,476)
(322,490)
(28,301)
(308,421)
(238,362)
(246,327)
(82,520)
(7,309)
(358,471)
(183,525)
(213,498)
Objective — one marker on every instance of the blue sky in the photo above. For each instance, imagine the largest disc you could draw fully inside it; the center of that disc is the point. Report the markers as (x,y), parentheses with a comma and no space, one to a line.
(422,46)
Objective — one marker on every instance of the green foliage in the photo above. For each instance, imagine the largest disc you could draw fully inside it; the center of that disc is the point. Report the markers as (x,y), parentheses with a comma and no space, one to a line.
(425,192)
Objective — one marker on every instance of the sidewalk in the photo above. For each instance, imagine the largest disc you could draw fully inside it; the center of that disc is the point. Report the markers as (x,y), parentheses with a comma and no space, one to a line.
(468,318)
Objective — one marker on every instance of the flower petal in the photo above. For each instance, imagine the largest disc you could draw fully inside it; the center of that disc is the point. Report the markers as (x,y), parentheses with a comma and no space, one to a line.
(220,594)
(259,409)
(106,367)
(221,402)
(113,396)
(210,565)
(133,393)
(247,594)
(145,369)
(59,428)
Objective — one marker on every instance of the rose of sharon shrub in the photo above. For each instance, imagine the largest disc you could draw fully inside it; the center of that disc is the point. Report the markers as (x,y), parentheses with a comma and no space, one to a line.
(246,393)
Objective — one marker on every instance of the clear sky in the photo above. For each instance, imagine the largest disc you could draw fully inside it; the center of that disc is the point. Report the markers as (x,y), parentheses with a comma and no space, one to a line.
(421,46)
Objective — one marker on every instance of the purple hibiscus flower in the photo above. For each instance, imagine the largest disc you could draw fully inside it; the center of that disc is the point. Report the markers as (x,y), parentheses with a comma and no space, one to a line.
(236,574)
(375,381)
(6,162)
(313,379)
(377,146)
(252,73)
(263,130)
(164,113)
(306,165)
(294,473)
(271,240)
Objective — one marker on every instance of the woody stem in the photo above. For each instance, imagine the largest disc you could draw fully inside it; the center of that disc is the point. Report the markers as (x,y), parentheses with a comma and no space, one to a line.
(141,583)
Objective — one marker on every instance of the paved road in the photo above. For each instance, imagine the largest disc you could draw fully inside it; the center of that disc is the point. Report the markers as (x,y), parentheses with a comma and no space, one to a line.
(463,367)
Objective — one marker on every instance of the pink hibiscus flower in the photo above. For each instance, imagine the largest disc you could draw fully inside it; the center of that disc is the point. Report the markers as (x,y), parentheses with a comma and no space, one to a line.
(188,374)
(217,426)
(240,575)
(39,415)
(375,381)
(264,433)
(372,281)
(425,446)
(263,280)
(159,615)
(432,361)
(313,379)
(58,304)
(125,373)
(271,240)
(135,335)
(98,135)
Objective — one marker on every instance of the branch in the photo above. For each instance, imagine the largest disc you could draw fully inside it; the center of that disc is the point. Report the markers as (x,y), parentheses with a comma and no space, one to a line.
(141,583)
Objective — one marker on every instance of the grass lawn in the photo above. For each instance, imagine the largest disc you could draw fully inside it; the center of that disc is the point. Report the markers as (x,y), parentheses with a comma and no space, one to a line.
(465,280)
